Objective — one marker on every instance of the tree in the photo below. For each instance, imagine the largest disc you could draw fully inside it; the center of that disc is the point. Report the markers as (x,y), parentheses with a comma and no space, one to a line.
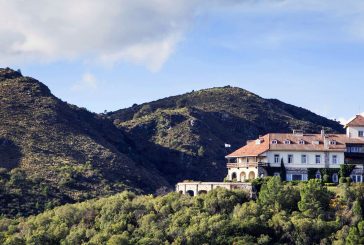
(315,199)
(282,173)
(274,196)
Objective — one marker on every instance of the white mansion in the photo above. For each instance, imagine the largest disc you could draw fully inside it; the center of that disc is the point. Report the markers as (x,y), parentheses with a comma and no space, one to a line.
(296,156)
(299,156)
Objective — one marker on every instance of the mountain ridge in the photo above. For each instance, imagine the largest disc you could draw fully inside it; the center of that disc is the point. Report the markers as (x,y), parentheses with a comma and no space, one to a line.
(192,128)
(53,153)
(75,154)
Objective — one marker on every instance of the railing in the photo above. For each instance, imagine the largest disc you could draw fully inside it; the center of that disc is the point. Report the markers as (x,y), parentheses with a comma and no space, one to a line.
(246,164)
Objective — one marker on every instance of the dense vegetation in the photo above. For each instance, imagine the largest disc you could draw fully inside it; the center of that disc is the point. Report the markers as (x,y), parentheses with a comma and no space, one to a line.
(283,213)
(184,136)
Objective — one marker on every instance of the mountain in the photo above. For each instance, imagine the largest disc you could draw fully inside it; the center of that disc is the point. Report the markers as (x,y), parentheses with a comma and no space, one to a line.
(52,152)
(184,136)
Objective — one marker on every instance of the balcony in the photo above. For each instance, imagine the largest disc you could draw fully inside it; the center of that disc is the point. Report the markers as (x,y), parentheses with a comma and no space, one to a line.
(246,165)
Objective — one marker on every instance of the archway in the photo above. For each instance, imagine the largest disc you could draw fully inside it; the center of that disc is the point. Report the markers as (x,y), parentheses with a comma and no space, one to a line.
(335,178)
(233,176)
(202,192)
(190,192)
(242,176)
(180,192)
(251,175)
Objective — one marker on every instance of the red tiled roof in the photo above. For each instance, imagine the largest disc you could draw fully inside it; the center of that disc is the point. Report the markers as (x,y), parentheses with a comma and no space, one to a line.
(313,142)
(252,149)
(357,121)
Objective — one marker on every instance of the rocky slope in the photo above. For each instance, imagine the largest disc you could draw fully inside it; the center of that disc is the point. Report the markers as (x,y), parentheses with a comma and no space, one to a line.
(52,152)
(184,136)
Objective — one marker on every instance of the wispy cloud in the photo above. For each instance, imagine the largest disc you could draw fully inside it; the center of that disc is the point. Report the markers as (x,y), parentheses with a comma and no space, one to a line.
(88,83)
(145,32)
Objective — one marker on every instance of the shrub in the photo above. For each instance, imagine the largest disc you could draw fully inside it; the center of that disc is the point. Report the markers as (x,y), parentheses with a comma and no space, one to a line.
(330,184)
(342,180)
(326,178)
(348,180)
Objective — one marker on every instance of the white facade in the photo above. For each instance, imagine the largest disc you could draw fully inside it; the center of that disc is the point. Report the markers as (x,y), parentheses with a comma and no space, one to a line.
(313,159)
(242,174)
(355,132)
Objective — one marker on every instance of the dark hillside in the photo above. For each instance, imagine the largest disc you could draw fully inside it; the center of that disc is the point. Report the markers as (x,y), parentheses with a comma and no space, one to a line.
(52,152)
(184,135)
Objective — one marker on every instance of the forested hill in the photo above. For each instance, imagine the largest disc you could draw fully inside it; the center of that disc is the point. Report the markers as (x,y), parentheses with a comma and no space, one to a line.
(283,214)
(184,135)
(53,153)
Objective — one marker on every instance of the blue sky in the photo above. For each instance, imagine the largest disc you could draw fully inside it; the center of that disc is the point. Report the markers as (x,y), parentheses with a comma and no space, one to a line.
(107,57)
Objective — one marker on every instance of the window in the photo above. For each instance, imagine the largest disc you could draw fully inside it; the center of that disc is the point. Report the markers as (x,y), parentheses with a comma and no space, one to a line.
(276,158)
(304,159)
(334,159)
(290,158)
(335,178)
(332,142)
(318,176)
(318,159)
(274,142)
(356,149)
(287,142)
(297,177)
(356,178)
(291,177)
(361,133)
(302,142)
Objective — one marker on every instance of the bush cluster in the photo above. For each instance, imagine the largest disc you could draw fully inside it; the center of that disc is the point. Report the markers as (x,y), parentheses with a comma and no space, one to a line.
(282,214)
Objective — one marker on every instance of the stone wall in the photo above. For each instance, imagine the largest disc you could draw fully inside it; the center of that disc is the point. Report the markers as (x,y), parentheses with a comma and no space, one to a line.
(197,188)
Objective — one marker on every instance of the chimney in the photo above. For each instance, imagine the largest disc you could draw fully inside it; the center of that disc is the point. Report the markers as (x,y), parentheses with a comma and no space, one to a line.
(297,132)
(323,133)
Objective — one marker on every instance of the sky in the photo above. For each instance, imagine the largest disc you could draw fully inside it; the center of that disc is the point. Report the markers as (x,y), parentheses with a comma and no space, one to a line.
(108,55)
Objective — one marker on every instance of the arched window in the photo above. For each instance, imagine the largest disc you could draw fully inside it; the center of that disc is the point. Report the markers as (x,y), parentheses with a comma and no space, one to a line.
(233,176)
(335,178)
(190,193)
(251,175)
(318,175)
(287,142)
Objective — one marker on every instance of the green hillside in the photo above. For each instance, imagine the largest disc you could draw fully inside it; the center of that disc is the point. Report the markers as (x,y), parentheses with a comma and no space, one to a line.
(185,135)
(53,153)
(283,214)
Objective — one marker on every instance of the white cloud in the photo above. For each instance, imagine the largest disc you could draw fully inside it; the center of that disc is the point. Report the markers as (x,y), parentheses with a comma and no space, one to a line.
(140,31)
(88,83)
(144,32)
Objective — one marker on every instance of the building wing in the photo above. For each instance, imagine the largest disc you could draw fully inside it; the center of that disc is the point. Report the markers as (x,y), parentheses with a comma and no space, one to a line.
(252,148)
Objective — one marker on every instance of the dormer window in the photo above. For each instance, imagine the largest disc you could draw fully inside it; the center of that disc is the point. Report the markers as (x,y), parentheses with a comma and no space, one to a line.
(287,142)
(332,142)
(274,142)
(258,141)
(302,142)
